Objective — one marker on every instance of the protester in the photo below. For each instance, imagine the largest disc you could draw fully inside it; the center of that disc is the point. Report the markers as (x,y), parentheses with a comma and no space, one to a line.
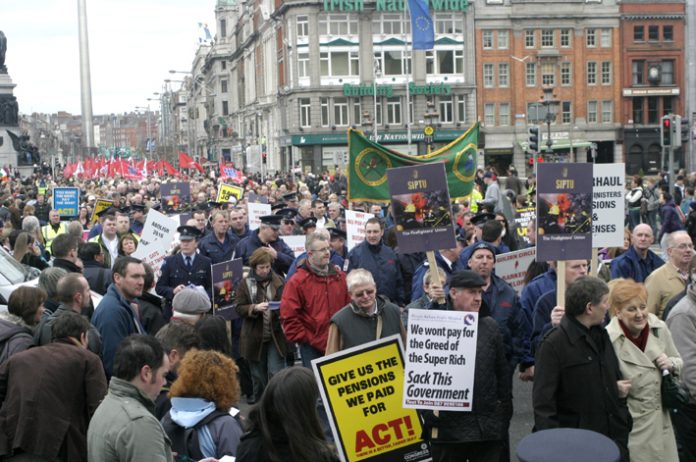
(127,244)
(24,310)
(27,252)
(284,425)
(670,279)
(150,304)
(65,253)
(638,262)
(98,276)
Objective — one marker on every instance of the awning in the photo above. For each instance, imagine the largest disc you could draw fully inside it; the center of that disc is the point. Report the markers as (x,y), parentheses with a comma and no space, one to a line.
(560,144)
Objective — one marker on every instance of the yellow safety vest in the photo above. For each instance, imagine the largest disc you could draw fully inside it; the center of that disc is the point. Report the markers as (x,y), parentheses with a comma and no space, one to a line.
(49,234)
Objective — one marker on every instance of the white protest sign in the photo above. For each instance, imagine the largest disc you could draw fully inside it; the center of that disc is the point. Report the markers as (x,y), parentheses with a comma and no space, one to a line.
(512,266)
(296,244)
(256,211)
(355,227)
(608,205)
(155,243)
(440,360)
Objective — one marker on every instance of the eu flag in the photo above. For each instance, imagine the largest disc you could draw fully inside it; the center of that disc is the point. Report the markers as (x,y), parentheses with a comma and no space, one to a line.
(422,31)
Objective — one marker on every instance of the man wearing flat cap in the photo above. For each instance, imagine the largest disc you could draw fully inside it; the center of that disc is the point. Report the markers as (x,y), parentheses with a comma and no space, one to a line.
(185,269)
(267,236)
(476,435)
(190,305)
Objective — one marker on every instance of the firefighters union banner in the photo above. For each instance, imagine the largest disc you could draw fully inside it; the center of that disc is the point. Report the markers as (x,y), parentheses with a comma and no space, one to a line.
(369,162)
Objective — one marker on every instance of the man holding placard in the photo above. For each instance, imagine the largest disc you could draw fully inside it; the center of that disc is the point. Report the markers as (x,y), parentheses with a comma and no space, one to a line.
(476,434)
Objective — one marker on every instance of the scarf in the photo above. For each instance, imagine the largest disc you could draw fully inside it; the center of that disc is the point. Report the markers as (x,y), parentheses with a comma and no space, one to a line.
(318,271)
(639,341)
(260,279)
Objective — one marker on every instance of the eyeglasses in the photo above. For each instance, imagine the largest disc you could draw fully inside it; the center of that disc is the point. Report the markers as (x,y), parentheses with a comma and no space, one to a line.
(323,249)
(683,246)
(363,293)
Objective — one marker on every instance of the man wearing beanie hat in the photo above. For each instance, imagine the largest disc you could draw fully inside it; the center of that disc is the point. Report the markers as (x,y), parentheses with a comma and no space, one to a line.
(493,200)
(190,305)
(476,435)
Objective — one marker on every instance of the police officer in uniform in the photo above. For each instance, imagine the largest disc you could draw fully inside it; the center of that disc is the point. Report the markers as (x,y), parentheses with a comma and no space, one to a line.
(268,235)
(185,269)
(137,215)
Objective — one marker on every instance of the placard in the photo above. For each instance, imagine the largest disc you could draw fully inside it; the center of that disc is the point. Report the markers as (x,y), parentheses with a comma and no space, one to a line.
(255,212)
(608,205)
(522,218)
(226,276)
(156,241)
(440,360)
(361,388)
(421,208)
(511,267)
(175,196)
(66,201)
(296,243)
(564,211)
(229,193)
(355,227)
(99,205)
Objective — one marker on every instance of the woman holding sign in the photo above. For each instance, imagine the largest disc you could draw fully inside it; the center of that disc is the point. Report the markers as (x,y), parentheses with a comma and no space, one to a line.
(262,341)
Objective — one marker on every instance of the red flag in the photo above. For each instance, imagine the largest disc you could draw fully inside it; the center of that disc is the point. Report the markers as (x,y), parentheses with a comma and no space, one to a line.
(69,170)
(169,168)
(186,161)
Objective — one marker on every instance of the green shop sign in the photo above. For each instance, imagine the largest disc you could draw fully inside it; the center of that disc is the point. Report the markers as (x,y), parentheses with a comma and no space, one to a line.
(383,137)
(393,5)
(366,89)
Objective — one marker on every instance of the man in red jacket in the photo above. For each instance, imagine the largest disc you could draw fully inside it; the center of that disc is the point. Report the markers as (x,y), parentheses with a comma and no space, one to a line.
(316,292)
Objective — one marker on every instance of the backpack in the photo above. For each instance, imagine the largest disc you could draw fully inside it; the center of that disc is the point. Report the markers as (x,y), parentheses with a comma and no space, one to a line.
(186,441)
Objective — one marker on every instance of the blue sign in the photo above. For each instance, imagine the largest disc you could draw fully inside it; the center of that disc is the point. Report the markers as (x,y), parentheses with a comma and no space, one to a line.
(66,201)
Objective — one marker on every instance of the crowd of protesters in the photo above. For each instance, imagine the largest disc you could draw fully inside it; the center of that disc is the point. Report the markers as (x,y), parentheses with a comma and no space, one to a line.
(150,373)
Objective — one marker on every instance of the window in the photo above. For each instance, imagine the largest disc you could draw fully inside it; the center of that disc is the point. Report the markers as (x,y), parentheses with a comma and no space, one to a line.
(565,38)
(488,77)
(461,108)
(591,73)
(444,62)
(302,26)
(531,75)
(446,110)
(448,23)
(591,38)
(341,111)
(503,75)
(396,62)
(638,33)
(339,63)
(606,72)
(638,72)
(548,74)
(504,114)
(566,74)
(338,24)
(668,33)
(547,38)
(223,28)
(667,102)
(503,39)
(378,112)
(607,111)
(391,24)
(653,109)
(223,86)
(653,33)
(605,38)
(223,65)
(394,110)
(225,108)
(305,112)
(638,110)
(529,39)
(303,63)
(487,39)
(324,112)
(566,112)
(592,111)
(489,114)
(357,112)
(667,74)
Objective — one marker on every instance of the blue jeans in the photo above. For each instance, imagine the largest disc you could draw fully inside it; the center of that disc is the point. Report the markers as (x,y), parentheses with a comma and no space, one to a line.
(633,217)
(309,353)
(269,364)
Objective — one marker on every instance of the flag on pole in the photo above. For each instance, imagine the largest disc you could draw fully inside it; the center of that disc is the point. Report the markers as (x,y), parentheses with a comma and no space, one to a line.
(186,161)
(422,32)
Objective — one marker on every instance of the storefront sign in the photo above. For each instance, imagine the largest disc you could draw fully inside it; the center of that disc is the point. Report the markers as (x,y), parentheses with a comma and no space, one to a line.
(368,89)
(393,5)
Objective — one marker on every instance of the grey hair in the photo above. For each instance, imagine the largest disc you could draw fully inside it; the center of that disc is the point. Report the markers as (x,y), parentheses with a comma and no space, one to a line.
(318,235)
(48,280)
(359,277)
(75,228)
(429,275)
(31,224)
(670,238)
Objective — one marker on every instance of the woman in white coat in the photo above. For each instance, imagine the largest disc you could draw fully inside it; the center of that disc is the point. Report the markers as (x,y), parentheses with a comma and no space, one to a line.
(644,347)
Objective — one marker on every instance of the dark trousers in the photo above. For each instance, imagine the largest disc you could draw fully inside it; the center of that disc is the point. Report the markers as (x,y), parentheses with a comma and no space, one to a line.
(684,421)
(479,451)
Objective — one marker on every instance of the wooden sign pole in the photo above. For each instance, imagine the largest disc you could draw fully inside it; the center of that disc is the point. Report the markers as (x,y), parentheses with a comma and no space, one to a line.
(560,283)
(594,262)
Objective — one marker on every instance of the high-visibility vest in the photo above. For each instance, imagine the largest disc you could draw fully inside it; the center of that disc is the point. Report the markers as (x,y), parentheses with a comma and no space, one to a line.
(49,234)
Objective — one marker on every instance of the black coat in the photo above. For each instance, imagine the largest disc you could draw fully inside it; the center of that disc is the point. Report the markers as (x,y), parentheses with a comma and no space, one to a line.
(253,448)
(175,272)
(492,402)
(575,383)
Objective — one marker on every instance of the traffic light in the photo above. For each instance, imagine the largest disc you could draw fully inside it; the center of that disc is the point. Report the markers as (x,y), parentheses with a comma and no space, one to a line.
(681,131)
(666,131)
(264,157)
(533,139)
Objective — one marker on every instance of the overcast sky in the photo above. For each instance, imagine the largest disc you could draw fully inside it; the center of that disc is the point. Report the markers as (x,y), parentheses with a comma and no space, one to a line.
(133,44)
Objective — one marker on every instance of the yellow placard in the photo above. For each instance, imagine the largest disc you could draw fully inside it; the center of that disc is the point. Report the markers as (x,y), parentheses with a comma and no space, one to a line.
(227,191)
(362,389)
(99,205)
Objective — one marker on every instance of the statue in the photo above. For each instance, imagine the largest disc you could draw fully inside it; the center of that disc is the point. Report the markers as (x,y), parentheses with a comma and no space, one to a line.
(9,110)
(3,51)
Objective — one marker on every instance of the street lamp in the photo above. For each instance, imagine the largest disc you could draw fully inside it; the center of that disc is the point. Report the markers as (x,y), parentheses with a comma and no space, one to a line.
(549,102)
(377,72)
(148,144)
(431,116)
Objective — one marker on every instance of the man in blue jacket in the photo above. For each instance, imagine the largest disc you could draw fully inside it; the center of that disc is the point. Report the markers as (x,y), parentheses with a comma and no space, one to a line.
(116,316)
(638,261)
(380,260)
(268,236)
